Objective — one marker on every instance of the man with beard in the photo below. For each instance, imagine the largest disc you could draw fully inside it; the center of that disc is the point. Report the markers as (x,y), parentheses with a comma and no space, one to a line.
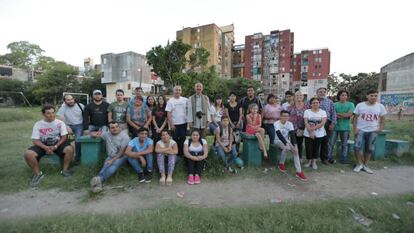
(95,115)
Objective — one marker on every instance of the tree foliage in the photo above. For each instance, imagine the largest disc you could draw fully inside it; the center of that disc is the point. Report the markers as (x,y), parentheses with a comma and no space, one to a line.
(22,55)
(198,59)
(90,84)
(357,85)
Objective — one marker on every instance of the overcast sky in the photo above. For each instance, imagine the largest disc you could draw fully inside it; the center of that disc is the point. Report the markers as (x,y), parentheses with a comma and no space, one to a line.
(362,35)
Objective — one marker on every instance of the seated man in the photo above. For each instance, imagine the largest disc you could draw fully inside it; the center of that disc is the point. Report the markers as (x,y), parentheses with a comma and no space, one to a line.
(286,140)
(139,152)
(49,136)
(116,142)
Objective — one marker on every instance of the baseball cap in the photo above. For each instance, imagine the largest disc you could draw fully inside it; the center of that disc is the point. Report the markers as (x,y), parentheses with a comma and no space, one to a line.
(97,92)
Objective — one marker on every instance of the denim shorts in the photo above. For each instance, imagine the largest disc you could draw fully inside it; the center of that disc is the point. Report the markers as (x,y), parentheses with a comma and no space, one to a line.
(365,141)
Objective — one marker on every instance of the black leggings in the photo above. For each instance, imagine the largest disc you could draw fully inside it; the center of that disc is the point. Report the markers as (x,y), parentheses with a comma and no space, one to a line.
(312,147)
(194,167)
(299,140)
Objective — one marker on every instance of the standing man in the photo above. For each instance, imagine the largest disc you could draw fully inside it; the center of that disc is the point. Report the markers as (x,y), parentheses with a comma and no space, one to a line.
(95,115)
(49,136)
(177,108)
(369,120)
(118,109)
(288,100)
(246,101)
(344,110)
(328,106)
(199,110)
(71,113)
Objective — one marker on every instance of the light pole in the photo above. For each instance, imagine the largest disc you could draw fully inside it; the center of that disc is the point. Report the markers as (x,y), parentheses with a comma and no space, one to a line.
(140,76)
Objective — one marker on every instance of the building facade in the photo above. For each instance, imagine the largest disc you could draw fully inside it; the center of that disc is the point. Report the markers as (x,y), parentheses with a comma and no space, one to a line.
(125,71)
(238,61)
(396,85)
(218,41)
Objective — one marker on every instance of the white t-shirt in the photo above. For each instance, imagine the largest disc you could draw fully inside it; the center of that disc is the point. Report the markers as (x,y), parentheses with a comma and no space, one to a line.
(216,114)
(196,149)
(284,129)
(72,115)
(315,118)
(171,143)
(178,109)
(285,106)
(49,133)
(369,116)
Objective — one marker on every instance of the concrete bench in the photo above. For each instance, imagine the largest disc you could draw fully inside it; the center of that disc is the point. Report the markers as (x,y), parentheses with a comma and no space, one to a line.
(91,150)
(396,147)
(251,156)
(275,152)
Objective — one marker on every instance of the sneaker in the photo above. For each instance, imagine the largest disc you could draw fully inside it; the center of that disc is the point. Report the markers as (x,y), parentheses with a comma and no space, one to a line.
(95,181)
(331,161)
(197,179)
(141,177)
(66,173)
(314,166)
(358,168)
(282,168)
(231,170)
(148,177)
(36,179)
(367,169)
(169,180)
(301,176)
(307,165)
(190,179)
(325,162)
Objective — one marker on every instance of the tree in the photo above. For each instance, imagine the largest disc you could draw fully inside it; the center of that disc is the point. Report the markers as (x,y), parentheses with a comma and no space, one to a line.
(198,59)
(22,54)
(59,78)
(209,80)
(169,60)
(90,84)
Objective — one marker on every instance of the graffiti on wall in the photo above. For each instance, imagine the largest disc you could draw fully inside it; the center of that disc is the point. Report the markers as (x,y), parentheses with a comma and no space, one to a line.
(394,102)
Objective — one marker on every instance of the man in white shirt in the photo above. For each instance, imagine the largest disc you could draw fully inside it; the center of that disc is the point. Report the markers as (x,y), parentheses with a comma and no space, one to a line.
(49,136)
(369,119)
(177,108)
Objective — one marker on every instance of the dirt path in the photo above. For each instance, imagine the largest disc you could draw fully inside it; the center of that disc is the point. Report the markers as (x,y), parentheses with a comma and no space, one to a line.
(232,192)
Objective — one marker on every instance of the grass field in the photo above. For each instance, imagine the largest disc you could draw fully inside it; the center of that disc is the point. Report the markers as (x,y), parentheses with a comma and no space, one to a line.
(324,216)
(16,126)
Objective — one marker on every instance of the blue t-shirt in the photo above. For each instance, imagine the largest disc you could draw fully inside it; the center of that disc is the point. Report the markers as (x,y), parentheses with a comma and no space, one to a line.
(136,147)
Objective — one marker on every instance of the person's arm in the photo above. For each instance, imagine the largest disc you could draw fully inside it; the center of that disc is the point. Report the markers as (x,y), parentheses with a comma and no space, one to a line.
(190,119)
(154,122)
(159,150)
(170,123)
(240,115)
(218,138)
(231,138)
(132,154)
(48,149)
(120,153)
(281,138)
(148,119)
(322,124)
(172,150)
(110,117)
(381,124)
(130,122)
(187,153)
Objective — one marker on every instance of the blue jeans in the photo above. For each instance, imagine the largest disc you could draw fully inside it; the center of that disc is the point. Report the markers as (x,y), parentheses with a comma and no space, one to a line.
(344,136)
(229,157)
(212,127)
(136,164)
(78,131)
(365,141)
(270,130)
(108,170)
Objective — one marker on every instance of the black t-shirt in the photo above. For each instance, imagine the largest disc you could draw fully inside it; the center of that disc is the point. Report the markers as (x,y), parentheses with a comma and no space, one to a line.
(245,102)
(160,116)
(96,115)
(234,112)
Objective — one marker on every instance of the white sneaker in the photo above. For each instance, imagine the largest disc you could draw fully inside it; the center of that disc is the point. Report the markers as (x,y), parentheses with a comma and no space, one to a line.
(307,165)
(95,181)
(314,166)
(358,168)
(367,169)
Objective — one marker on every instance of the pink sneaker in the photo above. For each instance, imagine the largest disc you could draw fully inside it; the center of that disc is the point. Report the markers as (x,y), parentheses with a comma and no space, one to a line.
(197,179)
(190,180)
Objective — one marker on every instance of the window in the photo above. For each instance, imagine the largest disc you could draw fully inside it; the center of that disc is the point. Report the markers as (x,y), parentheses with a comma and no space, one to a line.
(102,75)
(104,61)
(124,73)
(198,29)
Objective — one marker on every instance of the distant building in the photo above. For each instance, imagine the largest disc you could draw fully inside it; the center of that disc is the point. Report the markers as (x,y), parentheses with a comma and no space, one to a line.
(396,85)
(238,61)
(125,71)
(88,65)
(8,72)
(311,70)
(218,41)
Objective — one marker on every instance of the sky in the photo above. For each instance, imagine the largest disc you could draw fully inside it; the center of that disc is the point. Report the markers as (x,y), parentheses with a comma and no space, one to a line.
(362,35)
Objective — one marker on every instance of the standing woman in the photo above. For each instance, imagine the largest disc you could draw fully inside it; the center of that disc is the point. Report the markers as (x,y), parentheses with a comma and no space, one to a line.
(297,111)
(254,121)
(159,118)
(271,114)
(217,111)
(151,104)
(195,152)
(138,116)
(234,110)
(315,119)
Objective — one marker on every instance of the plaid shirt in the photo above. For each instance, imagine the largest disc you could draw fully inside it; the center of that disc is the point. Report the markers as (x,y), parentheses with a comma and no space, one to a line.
(329,107)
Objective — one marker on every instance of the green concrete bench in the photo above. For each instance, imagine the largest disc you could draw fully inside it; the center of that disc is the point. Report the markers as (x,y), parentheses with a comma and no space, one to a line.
(252,156)
(91,150)
(275,152)
(396,147)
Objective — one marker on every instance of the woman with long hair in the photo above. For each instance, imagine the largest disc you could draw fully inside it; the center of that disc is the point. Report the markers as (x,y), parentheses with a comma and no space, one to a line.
(159,118)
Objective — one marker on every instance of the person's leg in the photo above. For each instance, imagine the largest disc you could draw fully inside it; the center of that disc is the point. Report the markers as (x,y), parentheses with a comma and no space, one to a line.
(299,140)
(67,157)
(78,131)
(136,165)
(370,146)
(190,166)
(358,147)
(222,155)
(283,152)
(324,144)
(232,155)
(171,164)
(198,166)
(150,164)
(109,170)
(270,130)
(260,138)
(296,160)
(31,157)
(344,136)
(161,164)
(332,141)
(309,149)
(180,135)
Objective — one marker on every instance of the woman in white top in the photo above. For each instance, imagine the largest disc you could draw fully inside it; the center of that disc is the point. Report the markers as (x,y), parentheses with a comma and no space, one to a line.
(195,151)
(166,147)
(217,111)
(315,119)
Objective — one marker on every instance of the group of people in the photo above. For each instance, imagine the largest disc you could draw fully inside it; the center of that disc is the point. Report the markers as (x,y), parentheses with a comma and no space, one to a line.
(146,127)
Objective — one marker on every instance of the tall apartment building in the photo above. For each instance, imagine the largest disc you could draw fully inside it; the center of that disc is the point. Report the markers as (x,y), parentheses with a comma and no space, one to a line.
(238,61)
(125,71)
(218,41)
(268,58)
(311,70)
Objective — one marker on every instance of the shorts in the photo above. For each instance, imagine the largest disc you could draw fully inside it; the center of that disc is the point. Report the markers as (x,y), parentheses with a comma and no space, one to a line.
(365,141)
(40,152)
